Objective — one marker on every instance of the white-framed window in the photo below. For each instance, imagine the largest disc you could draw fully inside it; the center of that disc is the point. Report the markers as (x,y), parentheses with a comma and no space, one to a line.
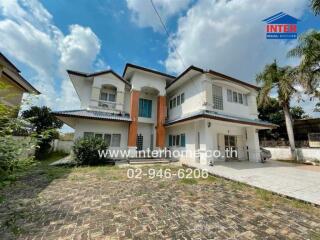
(112,140)
(240,98)
(229,95)
(245,99)
(176,100)
(217,97)
(115,140)
(177,140)
(108,94)
(237,97)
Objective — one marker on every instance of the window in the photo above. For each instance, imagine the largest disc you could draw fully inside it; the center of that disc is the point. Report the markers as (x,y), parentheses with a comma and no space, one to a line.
(112,97)
(174,102)
(88,134)
(98,135)
(107,139)
(245,99)
(115,140)
(108,95)
(183,140)
(235,97)
(145,108)
(177,140)
(217,97)
(229,95)
(178,100)
(182,98)
(240,98)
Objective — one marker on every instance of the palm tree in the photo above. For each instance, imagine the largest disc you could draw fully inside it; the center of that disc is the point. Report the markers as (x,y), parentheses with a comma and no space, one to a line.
(275,78)
(315,4)
(308,71)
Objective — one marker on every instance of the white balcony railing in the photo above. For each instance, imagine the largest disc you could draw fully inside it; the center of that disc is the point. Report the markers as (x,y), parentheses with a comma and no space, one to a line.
(106,105)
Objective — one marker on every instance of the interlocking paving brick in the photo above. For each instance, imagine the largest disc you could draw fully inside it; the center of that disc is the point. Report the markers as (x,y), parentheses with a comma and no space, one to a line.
(101,203)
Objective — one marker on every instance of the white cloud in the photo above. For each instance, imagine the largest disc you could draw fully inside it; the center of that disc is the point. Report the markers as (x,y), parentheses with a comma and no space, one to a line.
(229,36)
(144,15)
(28,35)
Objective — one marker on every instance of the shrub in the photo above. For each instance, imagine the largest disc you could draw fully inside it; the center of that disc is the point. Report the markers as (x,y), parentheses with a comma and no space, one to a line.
(13,155)
(86,151)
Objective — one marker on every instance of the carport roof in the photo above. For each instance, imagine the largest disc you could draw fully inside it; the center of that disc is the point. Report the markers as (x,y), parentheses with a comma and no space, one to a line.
(222,117)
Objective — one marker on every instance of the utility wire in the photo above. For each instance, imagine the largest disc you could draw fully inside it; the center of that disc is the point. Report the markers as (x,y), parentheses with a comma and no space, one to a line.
(167,32)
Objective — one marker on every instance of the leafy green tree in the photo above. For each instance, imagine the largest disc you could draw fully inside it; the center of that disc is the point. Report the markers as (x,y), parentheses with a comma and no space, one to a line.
(308,71)
(317,108)
(315,5)
(279,79)
(45,125)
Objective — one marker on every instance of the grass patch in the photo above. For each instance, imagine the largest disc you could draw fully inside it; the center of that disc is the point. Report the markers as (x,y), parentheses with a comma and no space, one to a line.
(264,194)
(189,181)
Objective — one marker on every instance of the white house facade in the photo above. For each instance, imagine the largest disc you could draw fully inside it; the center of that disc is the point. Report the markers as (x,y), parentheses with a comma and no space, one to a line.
(197,111)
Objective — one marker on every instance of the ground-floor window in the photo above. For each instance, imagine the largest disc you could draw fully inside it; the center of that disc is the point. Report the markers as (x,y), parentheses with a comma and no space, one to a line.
(112,140)
(177,140)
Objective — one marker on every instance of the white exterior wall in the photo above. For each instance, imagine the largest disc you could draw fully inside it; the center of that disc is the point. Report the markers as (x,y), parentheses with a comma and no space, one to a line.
(83,88)
(140,80)
(194,98)
(232,108)
(84,125)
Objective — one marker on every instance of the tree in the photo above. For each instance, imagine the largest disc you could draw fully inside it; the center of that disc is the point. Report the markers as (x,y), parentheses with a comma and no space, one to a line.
(273,112)
(45,124)
(315,4)
(275,78)
(308,71)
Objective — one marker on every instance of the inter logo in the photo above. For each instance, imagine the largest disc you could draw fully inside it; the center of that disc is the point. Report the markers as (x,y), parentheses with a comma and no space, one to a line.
(281,26)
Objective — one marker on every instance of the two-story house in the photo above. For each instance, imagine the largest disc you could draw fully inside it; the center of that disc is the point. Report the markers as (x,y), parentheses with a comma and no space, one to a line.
(145,109)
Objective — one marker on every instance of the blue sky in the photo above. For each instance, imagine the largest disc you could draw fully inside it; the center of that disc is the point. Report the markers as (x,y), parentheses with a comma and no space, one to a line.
(43,38)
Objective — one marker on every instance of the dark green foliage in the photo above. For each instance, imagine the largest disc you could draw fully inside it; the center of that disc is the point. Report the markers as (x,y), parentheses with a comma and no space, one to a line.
(44,125)
(86,151)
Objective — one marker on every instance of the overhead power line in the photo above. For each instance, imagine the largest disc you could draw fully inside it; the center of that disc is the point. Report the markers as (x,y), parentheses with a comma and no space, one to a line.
(167,32)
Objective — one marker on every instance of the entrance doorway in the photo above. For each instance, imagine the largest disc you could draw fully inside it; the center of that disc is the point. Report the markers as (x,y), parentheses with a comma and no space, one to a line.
(230,143)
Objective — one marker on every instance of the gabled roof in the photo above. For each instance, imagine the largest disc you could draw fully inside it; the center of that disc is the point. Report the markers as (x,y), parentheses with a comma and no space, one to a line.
(83,74)
(221,117)
(94,115)
(281,18)
(9,62)
(200,70)
(16,77)
(130,65)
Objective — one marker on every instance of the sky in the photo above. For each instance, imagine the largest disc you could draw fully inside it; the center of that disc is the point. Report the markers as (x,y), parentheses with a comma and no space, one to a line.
(44,38)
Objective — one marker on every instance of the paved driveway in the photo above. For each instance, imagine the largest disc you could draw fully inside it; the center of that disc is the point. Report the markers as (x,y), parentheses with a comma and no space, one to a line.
(102,203)
(293,180)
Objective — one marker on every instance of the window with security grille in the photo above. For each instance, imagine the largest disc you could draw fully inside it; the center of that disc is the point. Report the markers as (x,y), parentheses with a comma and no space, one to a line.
(217,97)
(139,142)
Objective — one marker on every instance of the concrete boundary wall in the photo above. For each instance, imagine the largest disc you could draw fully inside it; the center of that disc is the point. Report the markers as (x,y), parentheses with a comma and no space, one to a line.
(305,154)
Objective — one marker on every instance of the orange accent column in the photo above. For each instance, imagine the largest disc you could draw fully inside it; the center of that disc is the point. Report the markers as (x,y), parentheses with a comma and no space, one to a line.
(161,117)
(133,126)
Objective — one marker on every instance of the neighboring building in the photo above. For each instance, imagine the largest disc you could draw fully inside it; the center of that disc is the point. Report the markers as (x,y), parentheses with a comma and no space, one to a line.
(308,130)
(14,85)
(146,109)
